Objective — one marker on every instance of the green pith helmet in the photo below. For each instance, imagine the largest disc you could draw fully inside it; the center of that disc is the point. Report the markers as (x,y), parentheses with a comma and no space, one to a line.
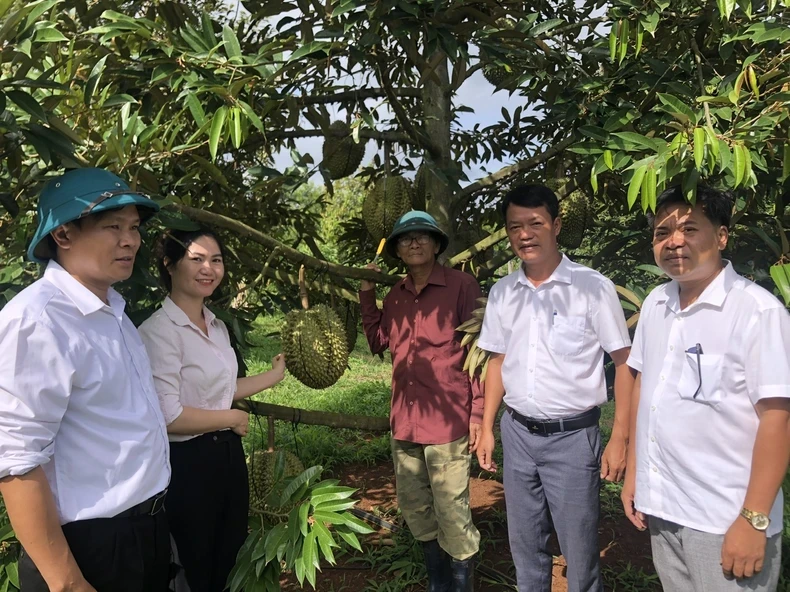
(416,221)
(79,193)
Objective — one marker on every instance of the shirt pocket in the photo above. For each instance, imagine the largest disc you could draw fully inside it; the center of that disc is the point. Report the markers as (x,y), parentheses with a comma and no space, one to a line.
(567,335)
(702,376)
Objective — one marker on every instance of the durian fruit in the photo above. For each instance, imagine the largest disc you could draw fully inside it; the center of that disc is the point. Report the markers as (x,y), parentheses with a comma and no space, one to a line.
(261,467)
(342,155)
(497,74)
(348,312)
(420,188)
(315,346)
(575,214)
(390,198)
(476,358)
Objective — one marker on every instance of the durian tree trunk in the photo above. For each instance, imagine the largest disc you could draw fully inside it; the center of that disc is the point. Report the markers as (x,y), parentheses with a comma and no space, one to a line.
(436,93)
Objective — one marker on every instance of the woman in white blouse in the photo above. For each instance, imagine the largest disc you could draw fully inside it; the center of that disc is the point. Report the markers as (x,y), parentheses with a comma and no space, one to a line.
(195,373)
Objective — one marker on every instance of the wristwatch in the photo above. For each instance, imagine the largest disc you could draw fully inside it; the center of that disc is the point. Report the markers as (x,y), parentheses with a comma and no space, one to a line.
(756,519)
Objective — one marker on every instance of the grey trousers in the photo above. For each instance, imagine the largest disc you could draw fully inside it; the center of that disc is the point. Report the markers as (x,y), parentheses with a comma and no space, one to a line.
(555,479)
(688,560)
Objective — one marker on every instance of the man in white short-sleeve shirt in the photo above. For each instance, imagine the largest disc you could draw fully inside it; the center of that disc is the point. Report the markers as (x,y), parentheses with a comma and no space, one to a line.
(548,325)
(712,409)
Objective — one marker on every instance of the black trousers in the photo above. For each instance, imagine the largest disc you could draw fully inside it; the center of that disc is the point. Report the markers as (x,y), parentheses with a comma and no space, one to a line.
(114,555)
(207,505)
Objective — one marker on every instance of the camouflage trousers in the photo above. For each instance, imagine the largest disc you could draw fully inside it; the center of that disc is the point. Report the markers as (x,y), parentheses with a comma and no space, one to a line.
(432,481)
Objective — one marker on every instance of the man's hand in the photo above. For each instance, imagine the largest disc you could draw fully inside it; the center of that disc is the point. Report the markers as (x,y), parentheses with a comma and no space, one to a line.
(636,517)
(368,284)
(743,551)
(475,430)
(79,586)
(614,458)
(485,450)
(278,365)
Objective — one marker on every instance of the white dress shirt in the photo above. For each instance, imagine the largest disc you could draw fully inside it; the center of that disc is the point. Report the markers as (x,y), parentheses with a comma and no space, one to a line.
(191,369)
(694,454)
(554,337)
(77,399)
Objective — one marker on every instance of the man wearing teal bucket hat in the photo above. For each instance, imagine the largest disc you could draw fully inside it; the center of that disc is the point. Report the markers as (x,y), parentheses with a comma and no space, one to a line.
(436,410)
(83,446)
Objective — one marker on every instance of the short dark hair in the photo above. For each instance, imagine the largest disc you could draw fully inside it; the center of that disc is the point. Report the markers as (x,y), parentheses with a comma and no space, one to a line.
(531,196)
(716,205)
(173,246)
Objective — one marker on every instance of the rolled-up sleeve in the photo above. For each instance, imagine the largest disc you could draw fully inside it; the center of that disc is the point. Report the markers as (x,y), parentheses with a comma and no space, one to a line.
(608,319)
(165,354)
(492,337)
(36,374)
(768,358)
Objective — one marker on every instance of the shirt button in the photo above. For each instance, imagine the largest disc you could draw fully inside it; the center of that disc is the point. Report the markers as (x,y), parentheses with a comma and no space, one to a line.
(532,345)
(531,370)
(215,438)
(416,300)
(411,402)
(653,408)
(411,383)
(671,348)
(662,377)
(530,395)
(655,469)
(653,439)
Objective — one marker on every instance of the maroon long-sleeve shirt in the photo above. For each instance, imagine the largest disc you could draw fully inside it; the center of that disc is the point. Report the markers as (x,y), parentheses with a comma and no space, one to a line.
(433,399)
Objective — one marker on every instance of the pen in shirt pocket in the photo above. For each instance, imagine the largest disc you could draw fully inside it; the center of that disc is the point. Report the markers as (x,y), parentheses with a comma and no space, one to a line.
(553,317)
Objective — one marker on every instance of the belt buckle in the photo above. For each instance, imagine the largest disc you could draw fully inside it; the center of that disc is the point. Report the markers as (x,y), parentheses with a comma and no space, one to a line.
(538,428)
(159,503)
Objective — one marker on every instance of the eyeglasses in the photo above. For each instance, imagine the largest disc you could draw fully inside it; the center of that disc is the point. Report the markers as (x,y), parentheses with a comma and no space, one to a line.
(697,349)
(406,241)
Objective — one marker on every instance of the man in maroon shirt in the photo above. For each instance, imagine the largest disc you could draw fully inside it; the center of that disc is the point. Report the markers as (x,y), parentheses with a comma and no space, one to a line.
(436,410)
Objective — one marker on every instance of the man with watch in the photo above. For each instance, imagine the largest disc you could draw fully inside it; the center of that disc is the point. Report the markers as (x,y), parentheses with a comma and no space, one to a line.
(710,409)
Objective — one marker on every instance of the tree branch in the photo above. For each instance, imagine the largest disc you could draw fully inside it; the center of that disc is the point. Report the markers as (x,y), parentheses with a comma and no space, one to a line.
(476,248)
(700,78)
(317,133)
(289,253)
(467,193)
(363,93)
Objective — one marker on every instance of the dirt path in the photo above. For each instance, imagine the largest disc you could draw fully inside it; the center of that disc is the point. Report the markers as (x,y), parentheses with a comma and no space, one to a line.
(624,550)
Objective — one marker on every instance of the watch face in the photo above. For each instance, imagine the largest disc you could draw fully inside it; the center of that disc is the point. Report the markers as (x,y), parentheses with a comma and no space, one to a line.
(760,521)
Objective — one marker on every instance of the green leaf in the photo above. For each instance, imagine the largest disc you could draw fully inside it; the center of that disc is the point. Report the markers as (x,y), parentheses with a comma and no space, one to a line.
(650,22)
(251,115)
(350,538)
(232,47)
(594,132)
(594,180)
(336,506)
(725,8)
(118,100)
(772,244)
(329,517)
(304,511)
(235,126)
(355,524)
(635,185)
(613,41)
(780,274)
(545,27)
(217,126)
(677,108)
(49,35)
(739,163)
(196,109)
(27,103)
(325,541)
(330,494)
(622,48)
(785,162)
(637,140)
(274,539)
(12,569)
(93,80)
(699,147)
(310,48)
(297,482)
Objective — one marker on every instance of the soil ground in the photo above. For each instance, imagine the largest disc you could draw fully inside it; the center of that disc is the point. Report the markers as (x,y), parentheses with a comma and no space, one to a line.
(625,552)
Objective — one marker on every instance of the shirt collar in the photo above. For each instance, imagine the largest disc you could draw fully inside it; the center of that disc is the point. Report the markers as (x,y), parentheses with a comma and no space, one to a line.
(86,301)
(179,317)
(714,294)
(563,274)
(437,277)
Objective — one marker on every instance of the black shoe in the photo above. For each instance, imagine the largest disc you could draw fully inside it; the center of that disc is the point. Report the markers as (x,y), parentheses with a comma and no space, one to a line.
(463,575)
(439,567)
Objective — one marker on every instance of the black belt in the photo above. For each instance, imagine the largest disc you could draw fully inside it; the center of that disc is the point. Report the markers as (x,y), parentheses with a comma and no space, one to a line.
(555,426)
(150,507)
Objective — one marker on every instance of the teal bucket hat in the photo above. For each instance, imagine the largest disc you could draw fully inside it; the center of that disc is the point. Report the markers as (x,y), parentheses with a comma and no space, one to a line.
(79,193)
(416,221)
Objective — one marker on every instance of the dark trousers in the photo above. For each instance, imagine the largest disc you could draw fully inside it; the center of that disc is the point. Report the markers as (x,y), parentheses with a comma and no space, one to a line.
(114,555)
(207,505)
(555,480)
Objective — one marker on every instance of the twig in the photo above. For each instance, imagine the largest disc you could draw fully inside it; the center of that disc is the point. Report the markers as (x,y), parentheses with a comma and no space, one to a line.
(700,78)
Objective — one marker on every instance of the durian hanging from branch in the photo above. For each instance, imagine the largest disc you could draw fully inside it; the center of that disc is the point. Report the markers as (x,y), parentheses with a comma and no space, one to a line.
(341,154)
(314,341)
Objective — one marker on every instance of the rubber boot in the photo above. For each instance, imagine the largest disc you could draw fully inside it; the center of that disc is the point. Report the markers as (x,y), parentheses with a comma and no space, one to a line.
(439,567)
(463,575)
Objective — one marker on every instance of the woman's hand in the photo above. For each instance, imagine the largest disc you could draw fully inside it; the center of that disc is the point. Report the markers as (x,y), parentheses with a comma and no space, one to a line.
(278,366)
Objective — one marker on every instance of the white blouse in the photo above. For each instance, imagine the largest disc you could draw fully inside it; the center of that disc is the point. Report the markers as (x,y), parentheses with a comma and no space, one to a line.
(191,369)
